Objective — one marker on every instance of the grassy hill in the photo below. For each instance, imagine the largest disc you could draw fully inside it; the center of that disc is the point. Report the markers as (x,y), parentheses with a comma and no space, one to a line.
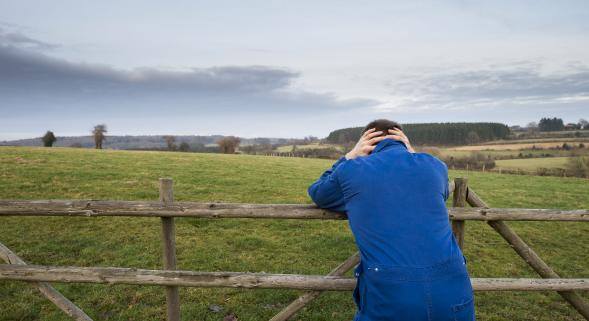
(288,148)
(278,246)
(519,146)
(530,165)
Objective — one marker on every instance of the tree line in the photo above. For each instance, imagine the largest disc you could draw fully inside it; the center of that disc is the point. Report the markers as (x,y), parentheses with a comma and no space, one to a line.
(434,133)
(198,143)
(226,145)
(557,124)
(548,124)
(98,133)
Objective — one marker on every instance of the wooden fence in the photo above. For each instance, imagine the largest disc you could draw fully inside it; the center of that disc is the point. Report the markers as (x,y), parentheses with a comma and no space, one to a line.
(171,278)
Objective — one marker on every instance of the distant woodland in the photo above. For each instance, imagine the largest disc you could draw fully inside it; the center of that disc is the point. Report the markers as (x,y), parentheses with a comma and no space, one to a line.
(420,134)
(439,134)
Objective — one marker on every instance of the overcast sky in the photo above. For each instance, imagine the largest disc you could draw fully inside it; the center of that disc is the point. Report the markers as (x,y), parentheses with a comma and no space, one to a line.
(286,68)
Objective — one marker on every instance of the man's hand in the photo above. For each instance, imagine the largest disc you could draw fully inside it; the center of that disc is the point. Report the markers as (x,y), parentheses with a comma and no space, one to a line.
(366,143)
(398,134)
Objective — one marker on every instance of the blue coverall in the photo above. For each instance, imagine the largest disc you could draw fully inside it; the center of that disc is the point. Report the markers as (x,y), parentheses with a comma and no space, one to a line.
(411,266)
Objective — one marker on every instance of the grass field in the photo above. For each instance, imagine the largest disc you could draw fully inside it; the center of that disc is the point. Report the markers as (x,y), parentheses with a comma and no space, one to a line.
(575,140)
(278,246)
(498,154)
(515,146)
(288,148)
(531,164)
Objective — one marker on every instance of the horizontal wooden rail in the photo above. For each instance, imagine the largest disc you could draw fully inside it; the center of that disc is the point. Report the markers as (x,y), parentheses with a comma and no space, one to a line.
(530,256)
(63,303)
(110,275)
(307,297)
(238,210)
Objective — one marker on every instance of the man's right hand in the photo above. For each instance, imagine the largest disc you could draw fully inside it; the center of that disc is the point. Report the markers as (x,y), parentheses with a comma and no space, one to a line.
(366,143)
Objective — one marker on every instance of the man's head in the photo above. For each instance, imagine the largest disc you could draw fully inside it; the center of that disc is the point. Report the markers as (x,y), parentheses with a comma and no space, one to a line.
(383,125)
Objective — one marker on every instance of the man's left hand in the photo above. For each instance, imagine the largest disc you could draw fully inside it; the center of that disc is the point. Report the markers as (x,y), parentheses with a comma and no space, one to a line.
(398,134)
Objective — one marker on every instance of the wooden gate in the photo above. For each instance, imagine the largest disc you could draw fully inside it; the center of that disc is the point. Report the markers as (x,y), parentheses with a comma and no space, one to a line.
(171,278)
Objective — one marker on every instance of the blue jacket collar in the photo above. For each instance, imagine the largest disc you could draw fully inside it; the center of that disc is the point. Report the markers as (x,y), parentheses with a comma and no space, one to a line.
(389,143)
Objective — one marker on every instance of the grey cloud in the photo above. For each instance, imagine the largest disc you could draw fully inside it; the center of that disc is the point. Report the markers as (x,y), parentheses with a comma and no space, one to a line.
(39,92)
(19,40)
(32,81)
(32,71)
(520,83)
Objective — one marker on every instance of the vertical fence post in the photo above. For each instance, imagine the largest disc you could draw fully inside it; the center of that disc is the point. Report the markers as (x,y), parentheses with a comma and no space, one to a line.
(169,248)
(459,200)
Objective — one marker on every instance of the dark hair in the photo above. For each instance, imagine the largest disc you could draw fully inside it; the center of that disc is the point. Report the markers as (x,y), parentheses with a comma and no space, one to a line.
(382,125)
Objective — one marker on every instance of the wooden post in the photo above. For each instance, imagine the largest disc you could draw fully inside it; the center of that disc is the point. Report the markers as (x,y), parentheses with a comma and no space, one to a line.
(531,257)
(46,289)
(304,299)
(459,200)
(169,248)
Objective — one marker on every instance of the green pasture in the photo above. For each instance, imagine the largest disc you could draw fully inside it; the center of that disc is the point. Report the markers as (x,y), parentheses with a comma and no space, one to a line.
(539,140)
(277,246)
(288,148)
(498,154)
(532,164)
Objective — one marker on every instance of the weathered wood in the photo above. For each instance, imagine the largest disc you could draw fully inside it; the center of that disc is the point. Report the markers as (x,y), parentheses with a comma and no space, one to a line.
(307,297)
(63,303)
(520,214)
(530,256)
(107,275)
(111,275)
(451,187)
(528,284)
(155,209)
(169,248)
(459,200)
(460,192)
(92,208)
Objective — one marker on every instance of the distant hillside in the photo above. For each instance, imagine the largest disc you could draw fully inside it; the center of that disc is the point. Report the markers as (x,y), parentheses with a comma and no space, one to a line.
(434,133)
(139,142)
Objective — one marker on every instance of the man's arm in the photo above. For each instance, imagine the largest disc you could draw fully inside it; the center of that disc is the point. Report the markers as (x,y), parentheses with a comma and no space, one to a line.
(447,186)
(447,190)
(326,191)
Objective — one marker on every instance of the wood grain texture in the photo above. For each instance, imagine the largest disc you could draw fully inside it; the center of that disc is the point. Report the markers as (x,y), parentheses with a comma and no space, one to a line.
(169,248)
(300,302)
(112,275)
(92,208)
(63,303)
(530,256)
(458,201)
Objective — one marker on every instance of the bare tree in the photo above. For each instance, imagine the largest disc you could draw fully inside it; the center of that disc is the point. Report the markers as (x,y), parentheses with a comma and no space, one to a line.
(48,139)
(170,141)
(99,132)
(228,144)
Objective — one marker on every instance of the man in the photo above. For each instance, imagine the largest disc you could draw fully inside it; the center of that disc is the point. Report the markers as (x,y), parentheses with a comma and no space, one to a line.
(411,266)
